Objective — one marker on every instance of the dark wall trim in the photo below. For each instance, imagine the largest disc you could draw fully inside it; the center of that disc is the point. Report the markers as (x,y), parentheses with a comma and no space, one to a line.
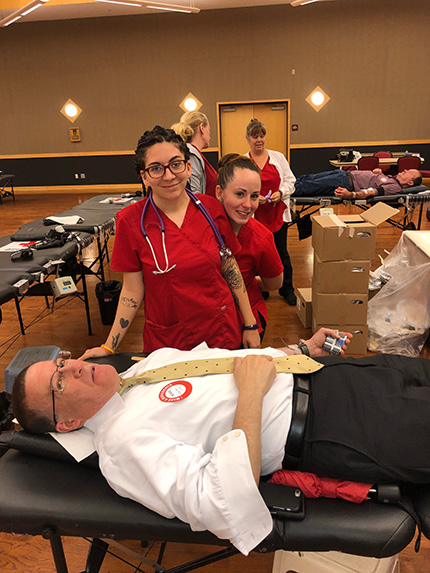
(119,169)
(314,160)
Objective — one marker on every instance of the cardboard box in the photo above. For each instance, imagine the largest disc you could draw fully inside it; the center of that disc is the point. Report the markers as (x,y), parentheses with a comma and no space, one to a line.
(345,308)
(304,306)
(358,344)
(340,276)
(348,236)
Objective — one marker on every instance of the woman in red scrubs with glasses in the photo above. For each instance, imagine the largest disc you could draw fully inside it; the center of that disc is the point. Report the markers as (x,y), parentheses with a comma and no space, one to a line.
(277,184)
(176,252)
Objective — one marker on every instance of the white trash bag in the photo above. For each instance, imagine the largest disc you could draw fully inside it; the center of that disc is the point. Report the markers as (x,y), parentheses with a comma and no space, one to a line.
(399,315)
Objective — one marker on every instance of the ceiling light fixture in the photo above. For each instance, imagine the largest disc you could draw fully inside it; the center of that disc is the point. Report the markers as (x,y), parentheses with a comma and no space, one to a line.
(17,14)
(157,6)
(302,2)
(121,3)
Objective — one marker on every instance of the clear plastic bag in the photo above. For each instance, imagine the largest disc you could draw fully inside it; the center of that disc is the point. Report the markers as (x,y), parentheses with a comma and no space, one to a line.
(399,315)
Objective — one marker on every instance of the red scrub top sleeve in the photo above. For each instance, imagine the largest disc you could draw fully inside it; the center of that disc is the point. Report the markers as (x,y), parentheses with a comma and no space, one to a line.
(269,264)
(125,257)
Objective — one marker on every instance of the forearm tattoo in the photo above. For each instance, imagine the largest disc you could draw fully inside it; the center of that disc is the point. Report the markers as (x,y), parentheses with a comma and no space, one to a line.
(232,276)
(115,341)
(130,302)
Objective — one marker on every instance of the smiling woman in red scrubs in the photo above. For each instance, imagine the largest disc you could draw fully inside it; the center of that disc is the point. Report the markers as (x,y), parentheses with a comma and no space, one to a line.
(175,262)
(238,189)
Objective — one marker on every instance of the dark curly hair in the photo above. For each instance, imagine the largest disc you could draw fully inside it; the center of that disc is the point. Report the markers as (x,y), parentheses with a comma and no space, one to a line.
(231,161)
(157,135)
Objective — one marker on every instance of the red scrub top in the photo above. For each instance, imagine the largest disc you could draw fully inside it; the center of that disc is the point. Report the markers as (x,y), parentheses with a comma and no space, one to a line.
(192,303)
(211,177)
(270,214)
(257,257)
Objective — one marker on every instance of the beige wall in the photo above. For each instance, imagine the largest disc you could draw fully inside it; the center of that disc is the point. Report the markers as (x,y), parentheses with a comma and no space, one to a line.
(128,73)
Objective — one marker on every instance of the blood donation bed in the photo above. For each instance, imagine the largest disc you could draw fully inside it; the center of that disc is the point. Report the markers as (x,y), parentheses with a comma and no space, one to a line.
(40,495)
(19,275)
(6,186)
(416,197)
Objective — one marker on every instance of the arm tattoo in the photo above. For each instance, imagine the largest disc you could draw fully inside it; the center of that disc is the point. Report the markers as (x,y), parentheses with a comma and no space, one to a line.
(115,340)
(130,302)
(231,273)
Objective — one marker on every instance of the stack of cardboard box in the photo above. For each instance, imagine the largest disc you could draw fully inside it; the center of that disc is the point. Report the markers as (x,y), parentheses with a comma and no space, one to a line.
(343,249)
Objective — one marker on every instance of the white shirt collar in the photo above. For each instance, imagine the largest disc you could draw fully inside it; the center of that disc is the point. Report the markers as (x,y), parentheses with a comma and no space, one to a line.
(112,406)
(80,443)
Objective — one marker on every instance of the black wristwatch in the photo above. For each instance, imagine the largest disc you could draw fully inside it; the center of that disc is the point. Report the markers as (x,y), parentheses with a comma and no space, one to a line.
(252,327)
(304,348)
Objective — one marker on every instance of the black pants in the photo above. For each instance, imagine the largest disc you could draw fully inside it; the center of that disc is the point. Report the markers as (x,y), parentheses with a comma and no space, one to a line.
(281,246)
(369,420)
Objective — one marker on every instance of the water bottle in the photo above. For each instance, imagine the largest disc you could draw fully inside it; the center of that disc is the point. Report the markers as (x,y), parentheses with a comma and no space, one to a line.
(406,153)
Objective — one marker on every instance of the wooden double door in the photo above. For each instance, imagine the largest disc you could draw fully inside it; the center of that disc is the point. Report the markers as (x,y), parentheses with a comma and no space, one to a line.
(233,117)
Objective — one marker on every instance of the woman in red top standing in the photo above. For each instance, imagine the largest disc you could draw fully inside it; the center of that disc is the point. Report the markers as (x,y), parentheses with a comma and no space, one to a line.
(238,189)
(277,184)
(195,130)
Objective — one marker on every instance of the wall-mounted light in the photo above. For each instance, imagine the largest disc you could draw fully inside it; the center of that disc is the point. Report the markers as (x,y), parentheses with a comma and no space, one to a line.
(317,98)
(71,110)
(18,14)
(156,5)
(190,103)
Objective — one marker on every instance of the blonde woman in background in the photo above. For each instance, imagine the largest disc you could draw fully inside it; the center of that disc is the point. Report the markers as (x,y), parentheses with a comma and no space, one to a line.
(195,130)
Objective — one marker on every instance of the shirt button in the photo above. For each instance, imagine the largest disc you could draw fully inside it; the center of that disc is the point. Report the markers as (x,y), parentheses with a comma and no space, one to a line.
(236,434)
(225,438)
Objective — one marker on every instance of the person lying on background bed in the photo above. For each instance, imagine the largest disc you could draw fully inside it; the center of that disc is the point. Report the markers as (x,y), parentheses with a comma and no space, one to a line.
(195,447)
(355,184)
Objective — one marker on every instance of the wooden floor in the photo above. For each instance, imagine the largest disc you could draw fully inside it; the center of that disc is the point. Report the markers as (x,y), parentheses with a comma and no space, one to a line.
(67,328)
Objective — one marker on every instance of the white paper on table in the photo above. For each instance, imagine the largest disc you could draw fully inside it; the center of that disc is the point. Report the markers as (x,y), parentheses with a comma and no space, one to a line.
(69,220)
(119,200)
(17,246)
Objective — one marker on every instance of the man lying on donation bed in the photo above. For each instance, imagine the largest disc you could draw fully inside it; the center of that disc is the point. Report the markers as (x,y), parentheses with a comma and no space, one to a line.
(194,445)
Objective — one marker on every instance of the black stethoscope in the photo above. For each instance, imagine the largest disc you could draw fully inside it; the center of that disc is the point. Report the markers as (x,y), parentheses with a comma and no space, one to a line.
(223,250)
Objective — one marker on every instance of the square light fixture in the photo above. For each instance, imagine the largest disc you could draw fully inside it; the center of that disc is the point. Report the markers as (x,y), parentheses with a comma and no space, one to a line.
(190,103)
(317,98)
(71,110)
